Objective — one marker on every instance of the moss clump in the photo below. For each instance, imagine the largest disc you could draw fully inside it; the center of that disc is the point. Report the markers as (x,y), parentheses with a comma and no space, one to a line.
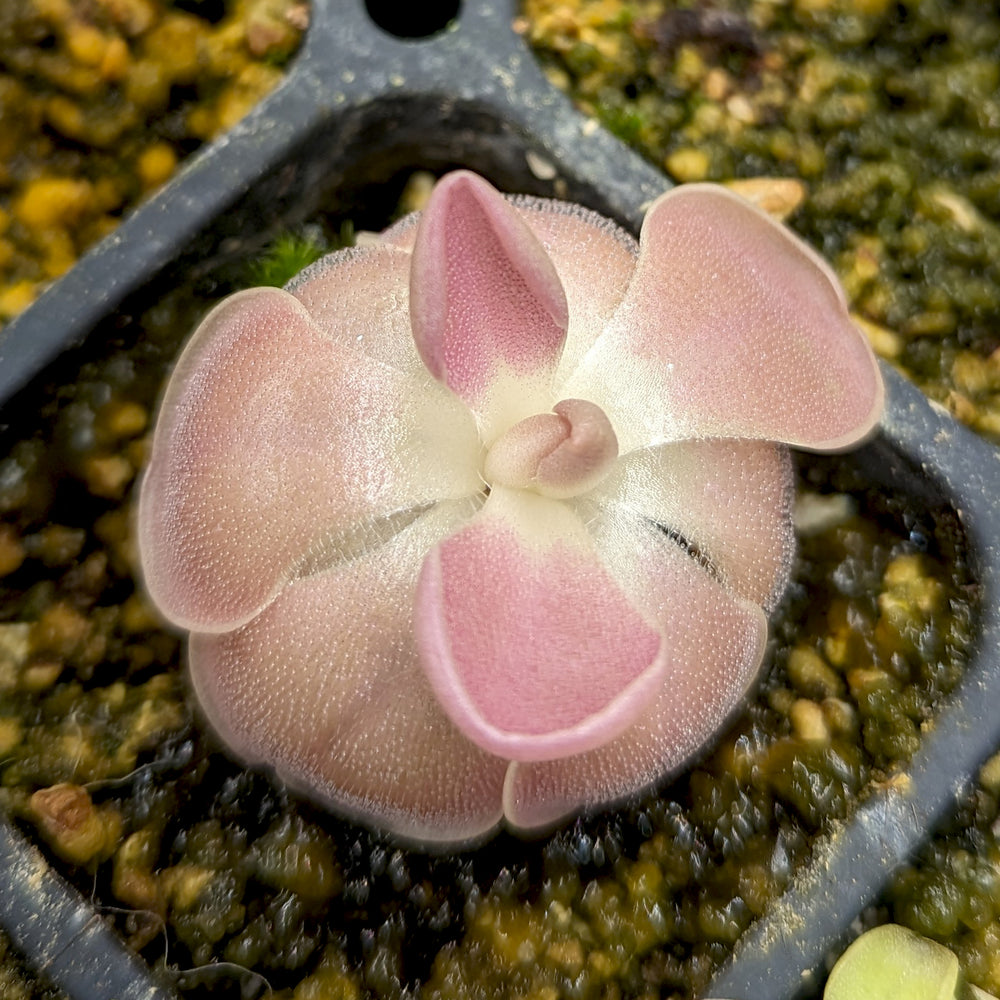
(888,111)
(290,253)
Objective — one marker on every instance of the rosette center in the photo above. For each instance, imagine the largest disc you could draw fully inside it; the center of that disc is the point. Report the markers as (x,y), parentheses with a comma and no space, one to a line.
(559,454)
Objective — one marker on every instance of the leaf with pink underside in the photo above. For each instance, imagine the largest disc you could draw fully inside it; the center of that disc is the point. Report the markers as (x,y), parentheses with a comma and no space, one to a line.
(278,449)
(713,642)
(486,304)
(593,257)
(532,648)
(731,327)
(326,687)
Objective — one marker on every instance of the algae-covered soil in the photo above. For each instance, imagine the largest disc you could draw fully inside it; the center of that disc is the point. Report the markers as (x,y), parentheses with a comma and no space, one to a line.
(888,114)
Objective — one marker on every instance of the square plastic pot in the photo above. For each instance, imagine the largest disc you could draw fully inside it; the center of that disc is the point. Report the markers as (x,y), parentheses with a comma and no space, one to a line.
(358,106)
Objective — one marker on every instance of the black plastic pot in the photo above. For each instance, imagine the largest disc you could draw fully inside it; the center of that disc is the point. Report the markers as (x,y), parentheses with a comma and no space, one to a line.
(360,104)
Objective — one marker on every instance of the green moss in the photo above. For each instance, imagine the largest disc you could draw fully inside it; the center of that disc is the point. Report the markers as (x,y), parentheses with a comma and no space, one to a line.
(299,858)
(292,252)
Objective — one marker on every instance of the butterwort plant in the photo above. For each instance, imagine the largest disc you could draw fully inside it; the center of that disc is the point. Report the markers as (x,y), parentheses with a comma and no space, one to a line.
(482,522)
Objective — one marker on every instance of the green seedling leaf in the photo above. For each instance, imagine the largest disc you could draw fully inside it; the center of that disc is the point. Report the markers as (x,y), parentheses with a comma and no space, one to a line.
(894,963)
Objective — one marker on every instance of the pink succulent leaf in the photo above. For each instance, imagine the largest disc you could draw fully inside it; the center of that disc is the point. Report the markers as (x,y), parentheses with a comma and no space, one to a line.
(356,296)
(731,327)
(532,648)
(430,661)
(325,686)
(593,257)
(714,644)
(488,312)
(277,450)
(729,501)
